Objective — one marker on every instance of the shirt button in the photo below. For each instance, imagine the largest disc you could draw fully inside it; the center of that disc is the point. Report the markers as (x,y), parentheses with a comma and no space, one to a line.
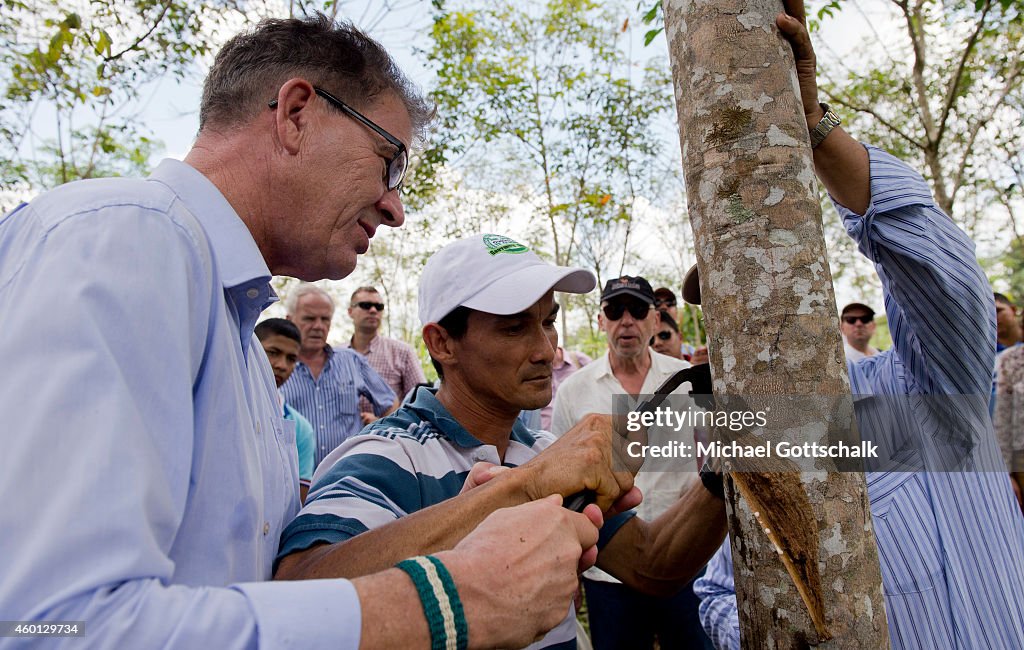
(266,528)
(479,456)
(253,293)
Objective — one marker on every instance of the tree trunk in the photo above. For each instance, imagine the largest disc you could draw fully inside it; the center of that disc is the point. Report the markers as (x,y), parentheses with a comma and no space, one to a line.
(804,554)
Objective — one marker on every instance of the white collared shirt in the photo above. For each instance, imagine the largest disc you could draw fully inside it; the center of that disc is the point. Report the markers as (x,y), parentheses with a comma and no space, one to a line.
(591,390)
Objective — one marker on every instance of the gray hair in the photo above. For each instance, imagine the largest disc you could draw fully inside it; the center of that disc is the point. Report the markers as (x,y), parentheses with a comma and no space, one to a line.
(291,301)
(253,65)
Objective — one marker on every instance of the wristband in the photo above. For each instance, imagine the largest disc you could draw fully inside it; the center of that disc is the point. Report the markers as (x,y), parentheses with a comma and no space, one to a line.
(440,599)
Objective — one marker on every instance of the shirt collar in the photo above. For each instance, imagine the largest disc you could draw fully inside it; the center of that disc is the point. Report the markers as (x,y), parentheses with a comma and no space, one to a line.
(236,254)
(425,404)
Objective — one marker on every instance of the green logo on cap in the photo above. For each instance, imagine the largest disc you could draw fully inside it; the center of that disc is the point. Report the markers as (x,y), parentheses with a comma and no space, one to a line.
(500,244)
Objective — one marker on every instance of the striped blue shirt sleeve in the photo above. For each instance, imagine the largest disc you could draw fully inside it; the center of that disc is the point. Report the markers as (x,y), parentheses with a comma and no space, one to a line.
(717,593)
(937,298)
(372,482)
(373,387)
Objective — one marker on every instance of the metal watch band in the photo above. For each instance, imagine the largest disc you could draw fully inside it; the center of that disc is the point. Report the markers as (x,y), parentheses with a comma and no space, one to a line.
(828,122)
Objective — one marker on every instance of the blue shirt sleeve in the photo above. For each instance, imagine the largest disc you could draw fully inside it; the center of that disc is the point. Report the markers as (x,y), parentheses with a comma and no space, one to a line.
(305,443)
(938,300)
(717,593)
(373,387)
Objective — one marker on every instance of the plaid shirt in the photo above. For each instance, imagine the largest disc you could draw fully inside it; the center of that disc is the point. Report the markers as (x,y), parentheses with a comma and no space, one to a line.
(396,362)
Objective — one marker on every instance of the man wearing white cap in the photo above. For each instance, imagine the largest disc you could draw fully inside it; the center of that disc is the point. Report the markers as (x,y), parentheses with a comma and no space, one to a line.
(488,312)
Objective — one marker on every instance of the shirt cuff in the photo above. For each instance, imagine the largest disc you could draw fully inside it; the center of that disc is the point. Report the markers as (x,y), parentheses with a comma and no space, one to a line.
(894,184)
(305,614)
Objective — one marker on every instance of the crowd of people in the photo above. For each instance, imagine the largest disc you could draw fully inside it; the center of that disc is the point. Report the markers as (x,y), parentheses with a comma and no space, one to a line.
(178,473)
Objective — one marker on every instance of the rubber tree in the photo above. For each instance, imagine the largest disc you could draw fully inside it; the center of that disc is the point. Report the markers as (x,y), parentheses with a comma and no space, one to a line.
(805,559)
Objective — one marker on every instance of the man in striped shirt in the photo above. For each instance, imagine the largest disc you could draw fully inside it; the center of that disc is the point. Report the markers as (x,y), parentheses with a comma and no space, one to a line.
(395,361)
(327,383)
(488,312)
(950,540)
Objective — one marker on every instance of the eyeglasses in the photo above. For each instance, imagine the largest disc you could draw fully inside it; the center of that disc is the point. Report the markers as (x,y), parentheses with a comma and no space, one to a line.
(614,310)
(850,320)
(664,302)
(398,164)
(367,306)
(664,336)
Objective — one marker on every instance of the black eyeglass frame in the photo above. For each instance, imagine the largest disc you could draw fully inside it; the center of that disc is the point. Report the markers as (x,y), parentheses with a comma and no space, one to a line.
(400,152)
(366,304)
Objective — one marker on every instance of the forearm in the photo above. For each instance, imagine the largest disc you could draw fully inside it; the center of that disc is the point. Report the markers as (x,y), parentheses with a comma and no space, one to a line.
(437,528)
(842,165)
(392,615)
(661,556)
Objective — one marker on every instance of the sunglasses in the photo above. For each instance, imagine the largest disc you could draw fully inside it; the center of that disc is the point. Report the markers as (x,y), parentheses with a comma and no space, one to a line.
(665,302)
(367,306)
(850,320)
(664,336)
(397,165)
(615,310)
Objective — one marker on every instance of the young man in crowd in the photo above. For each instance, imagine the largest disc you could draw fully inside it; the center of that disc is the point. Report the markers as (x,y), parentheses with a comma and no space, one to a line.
(281,340)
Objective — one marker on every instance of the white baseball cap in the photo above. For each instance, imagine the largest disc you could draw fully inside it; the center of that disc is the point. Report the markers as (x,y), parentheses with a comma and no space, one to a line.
(493,274)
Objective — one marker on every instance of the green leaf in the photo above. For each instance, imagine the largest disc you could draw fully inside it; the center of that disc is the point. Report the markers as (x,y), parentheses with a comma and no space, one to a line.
(103,42)
(651,35)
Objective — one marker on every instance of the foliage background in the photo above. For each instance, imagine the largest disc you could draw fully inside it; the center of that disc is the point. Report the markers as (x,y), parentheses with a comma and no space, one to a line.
(556,121)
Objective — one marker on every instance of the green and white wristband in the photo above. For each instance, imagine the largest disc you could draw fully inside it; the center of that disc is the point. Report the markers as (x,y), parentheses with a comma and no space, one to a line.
(440,600)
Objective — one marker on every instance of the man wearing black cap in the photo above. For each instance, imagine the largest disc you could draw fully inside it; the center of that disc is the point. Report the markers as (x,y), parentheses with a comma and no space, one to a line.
(857,323)
(665,300)
(621,617)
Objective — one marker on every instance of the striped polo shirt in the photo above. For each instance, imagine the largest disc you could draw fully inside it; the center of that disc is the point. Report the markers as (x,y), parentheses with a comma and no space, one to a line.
(415,458)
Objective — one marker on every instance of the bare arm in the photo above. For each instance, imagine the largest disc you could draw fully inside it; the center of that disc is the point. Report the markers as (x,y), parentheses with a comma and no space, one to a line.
(582,459)
(660,556)
(839,161)
(515,575)
(430,530)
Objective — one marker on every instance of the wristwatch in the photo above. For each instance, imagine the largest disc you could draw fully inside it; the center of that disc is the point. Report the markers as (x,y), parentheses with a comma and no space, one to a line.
(828,122)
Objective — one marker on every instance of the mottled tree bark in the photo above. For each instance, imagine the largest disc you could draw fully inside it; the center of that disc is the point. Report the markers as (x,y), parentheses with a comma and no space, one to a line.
(770,316)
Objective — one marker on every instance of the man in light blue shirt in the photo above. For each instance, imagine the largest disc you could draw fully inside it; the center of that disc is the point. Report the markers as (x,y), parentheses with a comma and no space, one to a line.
(950,540)
(146,473)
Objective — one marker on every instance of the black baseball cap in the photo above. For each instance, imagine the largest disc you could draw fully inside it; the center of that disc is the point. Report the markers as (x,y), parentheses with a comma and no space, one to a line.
(628,285)
(858,305)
